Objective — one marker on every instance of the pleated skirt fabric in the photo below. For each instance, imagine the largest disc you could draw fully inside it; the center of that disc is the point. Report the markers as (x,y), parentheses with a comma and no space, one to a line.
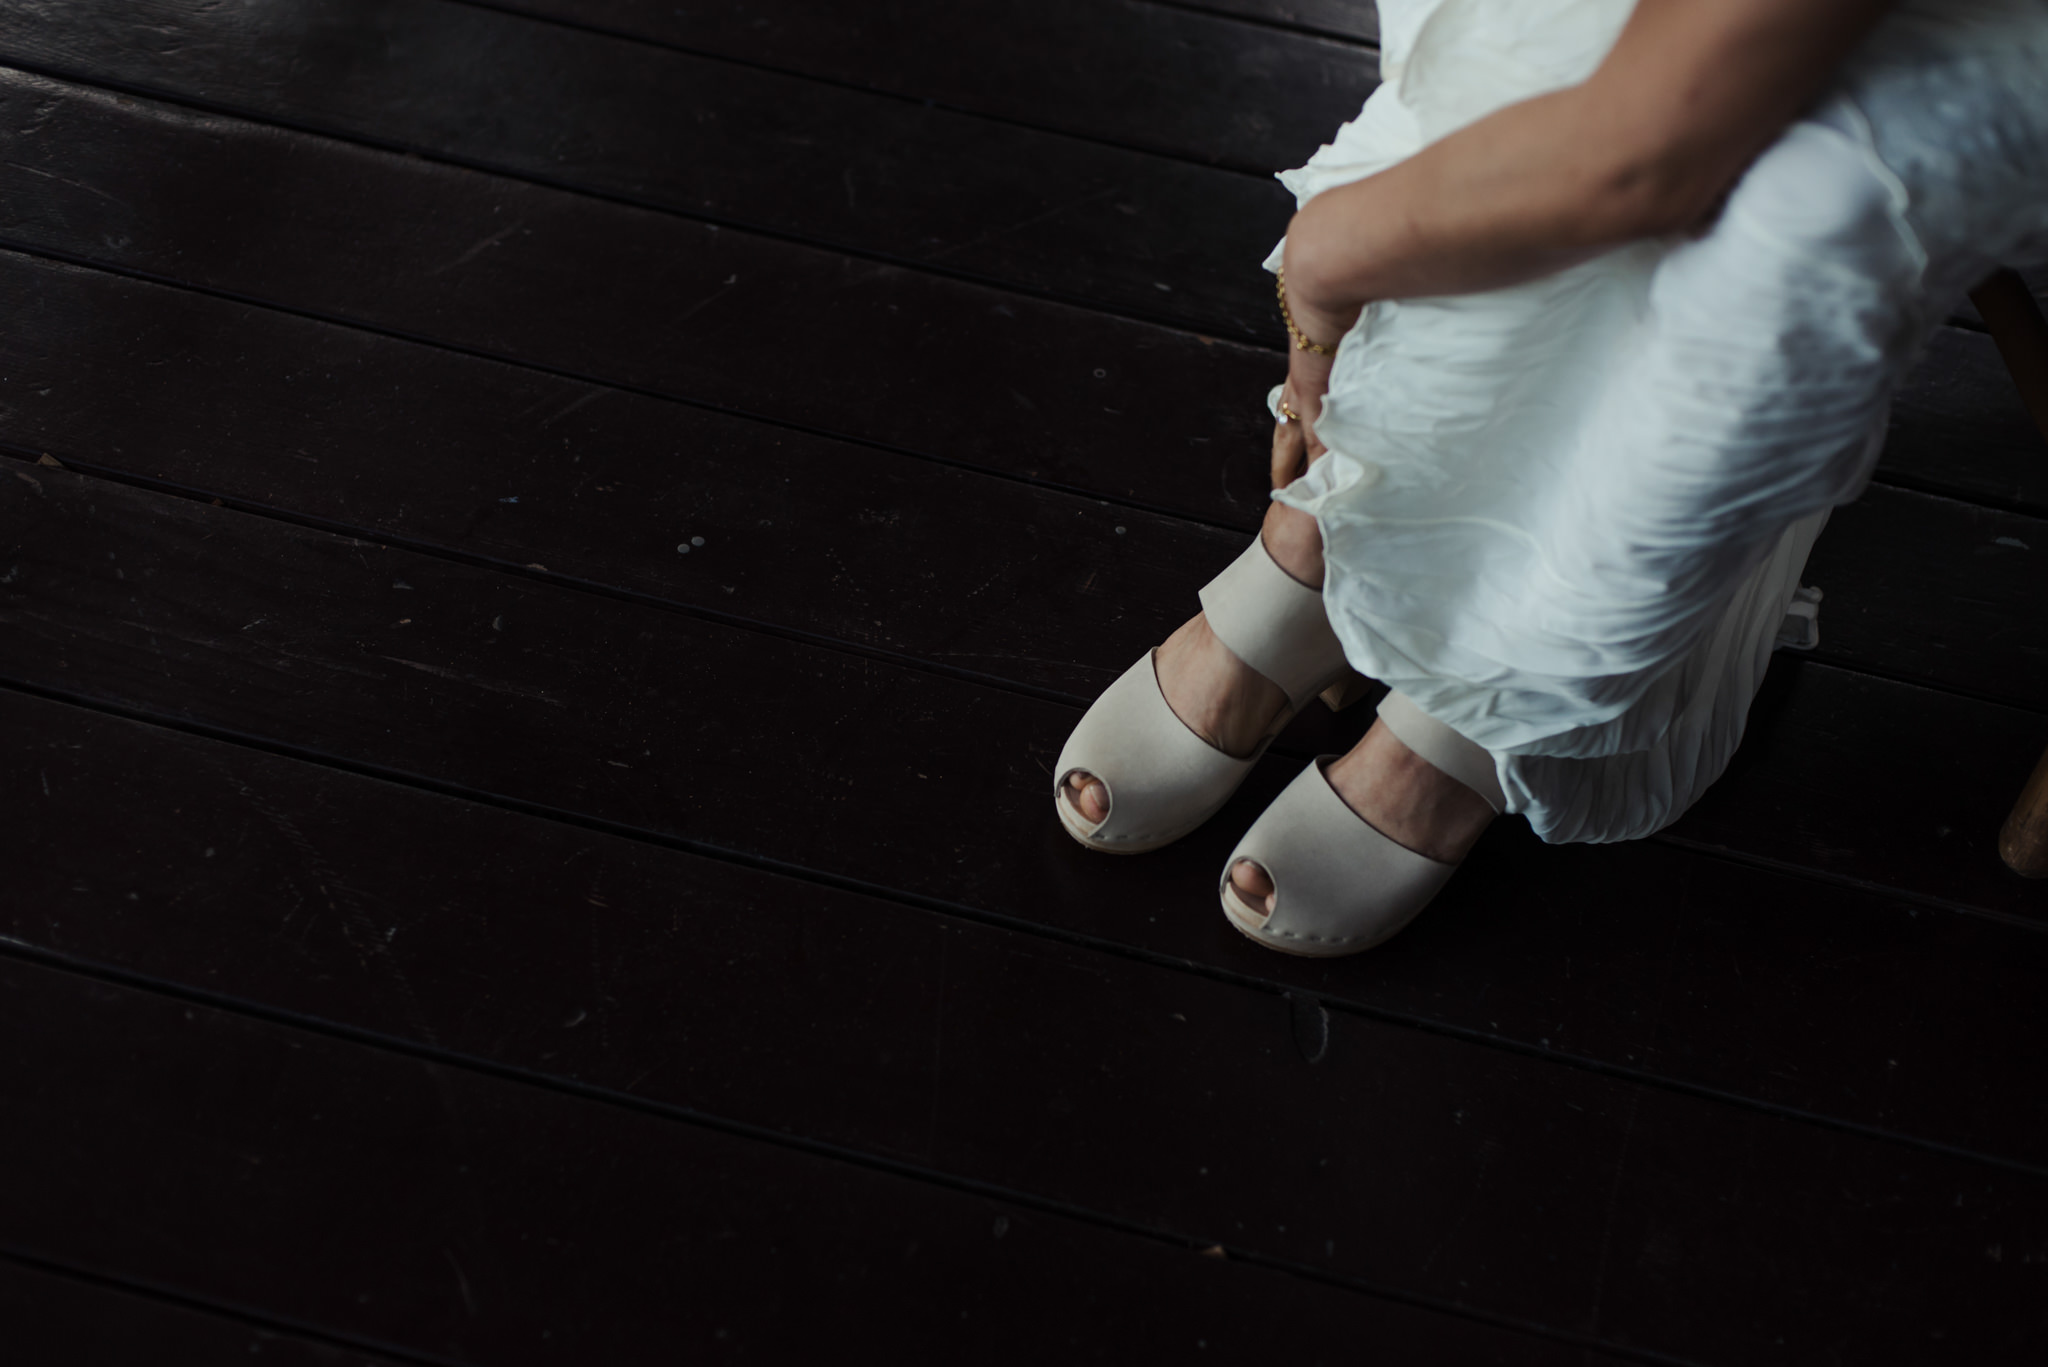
(1566,518)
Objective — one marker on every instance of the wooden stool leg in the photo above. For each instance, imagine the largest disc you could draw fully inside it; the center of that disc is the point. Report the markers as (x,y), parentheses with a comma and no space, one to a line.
(2015,323)
(2023,841)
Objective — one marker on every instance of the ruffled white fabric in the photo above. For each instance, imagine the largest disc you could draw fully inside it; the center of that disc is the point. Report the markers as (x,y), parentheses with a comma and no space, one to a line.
(1566,518)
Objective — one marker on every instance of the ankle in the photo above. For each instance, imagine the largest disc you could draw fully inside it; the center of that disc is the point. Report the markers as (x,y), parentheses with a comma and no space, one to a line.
(1295,542)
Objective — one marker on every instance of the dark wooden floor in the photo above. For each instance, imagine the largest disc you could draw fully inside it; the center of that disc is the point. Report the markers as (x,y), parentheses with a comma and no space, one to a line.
(546,549)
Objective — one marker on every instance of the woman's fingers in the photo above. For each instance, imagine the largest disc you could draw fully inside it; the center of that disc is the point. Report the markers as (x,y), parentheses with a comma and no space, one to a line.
(1295,446)
(1290,455)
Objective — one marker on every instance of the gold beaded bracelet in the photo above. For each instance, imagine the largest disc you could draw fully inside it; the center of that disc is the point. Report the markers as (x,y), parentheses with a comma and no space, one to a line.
(1301,341)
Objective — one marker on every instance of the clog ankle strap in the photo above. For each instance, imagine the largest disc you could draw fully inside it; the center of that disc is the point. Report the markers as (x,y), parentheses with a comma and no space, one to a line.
(1443,747)
(1274,623)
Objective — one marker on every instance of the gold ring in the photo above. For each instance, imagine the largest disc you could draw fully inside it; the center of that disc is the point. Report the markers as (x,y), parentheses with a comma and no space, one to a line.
(1287,414)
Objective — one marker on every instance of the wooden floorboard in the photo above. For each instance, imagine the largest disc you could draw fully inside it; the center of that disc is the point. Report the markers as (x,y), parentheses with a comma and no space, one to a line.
(533,704)
(55,1318)
(745,147)
(759,524)
(1937,772)
(966,373)
(1099,224)
(1130,72)
(1358,20)
(632,716)
(1936,591)
(1033,389)
(615,489)
(1958,427)
(443,1212)
(820,1014)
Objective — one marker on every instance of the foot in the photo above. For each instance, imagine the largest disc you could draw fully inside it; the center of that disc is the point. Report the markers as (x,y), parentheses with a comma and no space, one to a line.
(1218,696)
(1399,794)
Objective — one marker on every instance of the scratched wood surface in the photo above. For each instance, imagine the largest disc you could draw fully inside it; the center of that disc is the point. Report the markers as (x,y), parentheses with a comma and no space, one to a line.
(54,1316)
(506,718)
(1132,72)
(1354,19)
(740,145)
(454,1214)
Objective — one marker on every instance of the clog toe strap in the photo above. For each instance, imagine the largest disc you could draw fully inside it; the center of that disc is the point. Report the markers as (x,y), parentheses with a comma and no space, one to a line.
(1163,779)
(1339,886)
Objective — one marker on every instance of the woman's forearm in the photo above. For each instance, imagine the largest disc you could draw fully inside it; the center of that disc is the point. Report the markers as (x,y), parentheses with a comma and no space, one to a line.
(1692,92)
(1517,195)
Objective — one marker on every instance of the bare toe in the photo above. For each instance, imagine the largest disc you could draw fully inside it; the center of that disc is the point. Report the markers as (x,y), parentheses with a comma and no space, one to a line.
(1252,884)
(1088,795)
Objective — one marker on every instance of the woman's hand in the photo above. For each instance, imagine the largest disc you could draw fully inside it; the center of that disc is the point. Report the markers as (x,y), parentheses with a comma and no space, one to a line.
(1295,446)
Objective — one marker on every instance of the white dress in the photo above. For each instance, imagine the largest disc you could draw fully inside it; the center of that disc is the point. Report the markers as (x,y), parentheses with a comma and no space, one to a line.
(1566,518)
